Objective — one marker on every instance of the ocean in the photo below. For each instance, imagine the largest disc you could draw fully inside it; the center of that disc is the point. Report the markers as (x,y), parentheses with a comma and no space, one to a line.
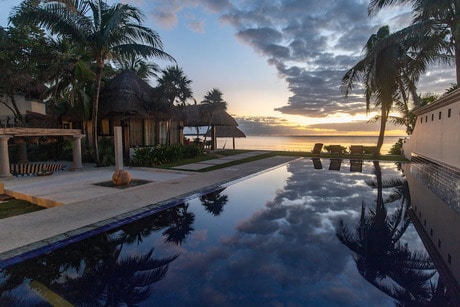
(302,143)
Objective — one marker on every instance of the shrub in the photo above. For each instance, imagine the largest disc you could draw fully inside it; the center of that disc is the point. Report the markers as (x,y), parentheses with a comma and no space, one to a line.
(161,154)
(397,148)
(106,152)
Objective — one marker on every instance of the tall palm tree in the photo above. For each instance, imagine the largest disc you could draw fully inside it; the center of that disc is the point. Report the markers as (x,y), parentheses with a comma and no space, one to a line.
(388,73)
(137,64)
(214,99)
(104,30)
(440,17)
(175,85)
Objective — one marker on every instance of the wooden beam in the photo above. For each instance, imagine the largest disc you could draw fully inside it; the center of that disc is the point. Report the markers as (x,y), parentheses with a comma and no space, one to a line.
(39,132)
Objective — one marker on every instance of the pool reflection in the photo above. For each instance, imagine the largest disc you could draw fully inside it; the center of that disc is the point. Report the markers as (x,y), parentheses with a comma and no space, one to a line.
(381,258)
(269,239)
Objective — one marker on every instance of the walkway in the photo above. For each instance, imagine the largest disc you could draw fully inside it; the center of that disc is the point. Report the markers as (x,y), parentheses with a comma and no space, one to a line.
(84,207)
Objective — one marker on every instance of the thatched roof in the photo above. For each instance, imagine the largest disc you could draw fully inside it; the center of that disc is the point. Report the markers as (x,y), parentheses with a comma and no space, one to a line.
(129,95)
(227,132)
(202,115)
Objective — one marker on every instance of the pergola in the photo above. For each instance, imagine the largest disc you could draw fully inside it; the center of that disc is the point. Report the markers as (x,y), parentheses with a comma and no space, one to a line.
(8,133)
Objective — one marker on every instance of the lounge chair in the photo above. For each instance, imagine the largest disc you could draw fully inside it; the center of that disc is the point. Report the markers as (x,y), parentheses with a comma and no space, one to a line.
(336,149)
(317,163)
(356,166)
(317,149)
(356,151)
(335,164)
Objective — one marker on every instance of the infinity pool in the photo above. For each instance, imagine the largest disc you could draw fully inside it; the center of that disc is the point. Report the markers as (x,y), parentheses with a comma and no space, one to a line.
(298,235)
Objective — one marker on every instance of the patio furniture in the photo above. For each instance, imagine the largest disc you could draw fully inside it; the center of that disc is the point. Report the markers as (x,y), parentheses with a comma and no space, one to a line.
(356,151)
(317,149)
(317,163)
(356,166)
(336,149)
(335,164)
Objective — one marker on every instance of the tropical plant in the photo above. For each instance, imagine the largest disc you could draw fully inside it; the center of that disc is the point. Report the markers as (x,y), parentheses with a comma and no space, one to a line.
(137,64)
(435,23)
(175,86)
(214,100)
(388,72)
(23,55)
(105,31)
(406,113)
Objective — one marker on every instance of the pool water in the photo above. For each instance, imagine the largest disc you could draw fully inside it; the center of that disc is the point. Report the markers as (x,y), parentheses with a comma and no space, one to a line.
(297,235)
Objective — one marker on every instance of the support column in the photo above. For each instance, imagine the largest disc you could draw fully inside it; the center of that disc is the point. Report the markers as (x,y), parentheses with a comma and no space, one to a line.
(118,144)
(77,164)
(4,157)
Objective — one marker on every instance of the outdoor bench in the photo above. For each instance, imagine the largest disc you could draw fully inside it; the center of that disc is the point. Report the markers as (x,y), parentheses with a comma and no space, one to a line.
(38,168)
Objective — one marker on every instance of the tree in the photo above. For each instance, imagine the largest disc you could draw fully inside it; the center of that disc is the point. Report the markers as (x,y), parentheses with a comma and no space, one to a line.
(438,18)
(23,55)
(406,112)
(388,72)
(214,99)
(106,31)
(142,68)
(175,85)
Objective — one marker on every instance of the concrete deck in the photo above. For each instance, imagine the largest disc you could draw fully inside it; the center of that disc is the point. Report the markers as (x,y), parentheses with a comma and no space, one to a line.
(83,206)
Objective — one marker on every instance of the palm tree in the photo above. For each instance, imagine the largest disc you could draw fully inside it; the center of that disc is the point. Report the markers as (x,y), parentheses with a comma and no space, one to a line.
(175,85)
(406,116)
(142,68)
(439,18)
(388,73)
(106,31)
(214,99)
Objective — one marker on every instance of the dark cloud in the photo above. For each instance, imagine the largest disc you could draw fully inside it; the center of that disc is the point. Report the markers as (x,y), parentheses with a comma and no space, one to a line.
(310,44)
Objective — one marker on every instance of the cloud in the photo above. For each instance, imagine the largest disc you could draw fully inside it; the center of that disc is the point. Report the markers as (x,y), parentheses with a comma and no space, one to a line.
(310,44)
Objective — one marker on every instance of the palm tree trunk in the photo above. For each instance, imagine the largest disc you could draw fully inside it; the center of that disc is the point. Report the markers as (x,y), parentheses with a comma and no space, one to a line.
(98,77)
(383,122)
(456,33)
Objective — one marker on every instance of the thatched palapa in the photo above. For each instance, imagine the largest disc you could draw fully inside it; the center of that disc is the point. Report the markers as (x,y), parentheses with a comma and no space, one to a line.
(203,115)
(129,95)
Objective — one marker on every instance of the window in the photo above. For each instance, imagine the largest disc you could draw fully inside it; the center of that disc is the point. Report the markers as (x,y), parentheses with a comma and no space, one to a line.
(439,244)
(449,259)
(432,117)
(440,115)
(431,231)
(426,119)
(421,120)
(449,112)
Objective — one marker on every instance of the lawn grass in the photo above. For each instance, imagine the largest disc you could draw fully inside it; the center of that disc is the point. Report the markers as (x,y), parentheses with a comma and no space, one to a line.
(14,207)
(267,154)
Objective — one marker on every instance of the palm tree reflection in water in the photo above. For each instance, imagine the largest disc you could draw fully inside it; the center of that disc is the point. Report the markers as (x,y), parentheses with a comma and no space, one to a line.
(214,202)
(95,271)
(381,258)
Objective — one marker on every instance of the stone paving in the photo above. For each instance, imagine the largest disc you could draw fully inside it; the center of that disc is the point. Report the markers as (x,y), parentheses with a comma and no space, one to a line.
(78,206)
(209,163)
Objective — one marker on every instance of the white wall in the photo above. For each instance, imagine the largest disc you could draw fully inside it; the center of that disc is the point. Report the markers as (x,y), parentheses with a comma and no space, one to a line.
(435,138)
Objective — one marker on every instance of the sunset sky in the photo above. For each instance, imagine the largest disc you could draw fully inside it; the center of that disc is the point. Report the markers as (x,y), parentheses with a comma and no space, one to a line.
(278,63)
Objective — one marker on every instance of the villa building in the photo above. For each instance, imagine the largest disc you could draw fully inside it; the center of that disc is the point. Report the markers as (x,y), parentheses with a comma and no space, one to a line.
(25,105)
(434,181)
(436,135)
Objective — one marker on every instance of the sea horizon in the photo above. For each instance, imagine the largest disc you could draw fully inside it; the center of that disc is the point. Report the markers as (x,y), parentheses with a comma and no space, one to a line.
(302,142)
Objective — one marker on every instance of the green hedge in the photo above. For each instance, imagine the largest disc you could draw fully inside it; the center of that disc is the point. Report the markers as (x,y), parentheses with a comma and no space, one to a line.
(161,154)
